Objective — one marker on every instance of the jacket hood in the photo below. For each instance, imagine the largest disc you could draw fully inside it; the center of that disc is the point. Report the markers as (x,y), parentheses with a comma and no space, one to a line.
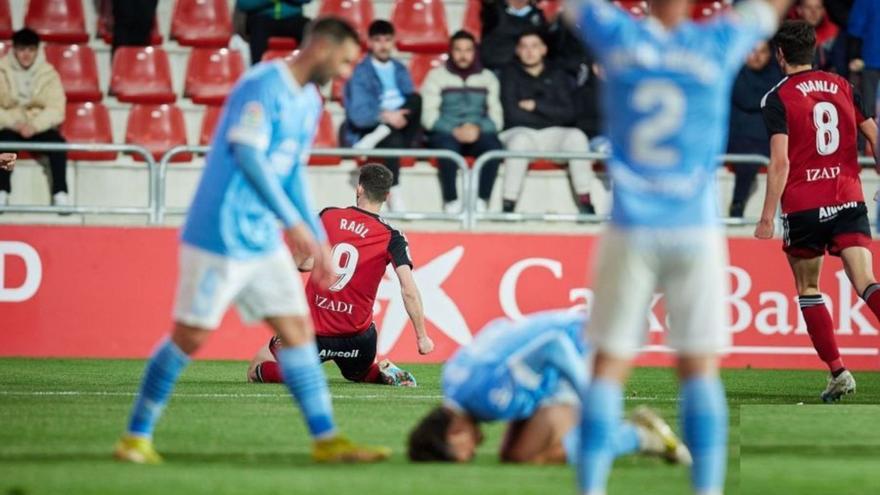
(475,68)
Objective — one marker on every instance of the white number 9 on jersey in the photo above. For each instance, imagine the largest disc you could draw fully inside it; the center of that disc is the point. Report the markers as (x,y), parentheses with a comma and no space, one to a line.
(345,260)
(665,103)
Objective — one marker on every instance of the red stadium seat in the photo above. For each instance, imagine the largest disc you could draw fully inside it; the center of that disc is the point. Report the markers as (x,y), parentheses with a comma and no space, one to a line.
(326,137)
(420,25)
(105,31)
(60,21)
(551,8)
(5,20)
(158,128)
(281,43)
(88,123)
(472,22)
(337,90)
(78,70)
(422,63)
(273,54)
(637,8)
(201,23)
(209,123)
(545,165)
(211,73)
(141,74)
(359,13)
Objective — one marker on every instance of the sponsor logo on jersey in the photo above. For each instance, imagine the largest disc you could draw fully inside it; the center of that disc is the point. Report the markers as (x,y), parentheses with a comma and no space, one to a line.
(824,173)
(325,354)
(322,302)
(831,211)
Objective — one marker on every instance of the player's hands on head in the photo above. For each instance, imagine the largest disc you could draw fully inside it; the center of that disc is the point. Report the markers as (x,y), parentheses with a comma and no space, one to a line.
(764,229)
(7,161)
(426,345)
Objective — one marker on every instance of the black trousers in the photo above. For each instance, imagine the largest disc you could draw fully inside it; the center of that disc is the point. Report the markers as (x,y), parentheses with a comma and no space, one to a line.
(353,355)
(746,173)
(449,170)
(262,27)
(401,138)
(133,22)
(57,159)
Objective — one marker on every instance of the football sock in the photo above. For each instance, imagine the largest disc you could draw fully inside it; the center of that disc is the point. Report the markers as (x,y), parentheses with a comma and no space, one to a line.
(821,330)
(703,410)
(372,375)
(626,441)
(269,372)
(871,296)
(165,366)
(600,419)
(302,373)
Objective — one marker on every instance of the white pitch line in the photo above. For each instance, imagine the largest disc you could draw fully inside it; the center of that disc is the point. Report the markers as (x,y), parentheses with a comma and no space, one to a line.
(98,393)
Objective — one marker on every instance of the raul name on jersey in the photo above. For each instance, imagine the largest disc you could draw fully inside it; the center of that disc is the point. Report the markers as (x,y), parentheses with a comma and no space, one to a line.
(357,228)
(322,302)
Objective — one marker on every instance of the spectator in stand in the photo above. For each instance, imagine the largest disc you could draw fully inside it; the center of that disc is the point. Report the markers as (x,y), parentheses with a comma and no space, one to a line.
(268,18)
(31,108)
(748,133)
(864,31)
(133,22)
(462,113)
(838,12)
(813,12)
(382,108)
(539,115)
(504,21)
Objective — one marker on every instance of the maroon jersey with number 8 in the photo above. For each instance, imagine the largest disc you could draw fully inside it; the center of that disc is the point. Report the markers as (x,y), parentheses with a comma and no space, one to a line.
(362,245)
(820,112)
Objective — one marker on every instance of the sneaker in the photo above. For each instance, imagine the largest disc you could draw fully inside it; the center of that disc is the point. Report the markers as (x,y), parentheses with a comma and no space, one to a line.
(394,376)
(341,449)
(373,139)
(737,209)
(453,206)
(482,205)
(138,450)
(657,437)
(395,200)
(839,386)
(586,209)
(60,199)
(508,205)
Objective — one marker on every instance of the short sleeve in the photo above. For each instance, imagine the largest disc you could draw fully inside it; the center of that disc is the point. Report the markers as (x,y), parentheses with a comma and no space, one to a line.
(248,110)
(774,114)
(398,249)
(600,23)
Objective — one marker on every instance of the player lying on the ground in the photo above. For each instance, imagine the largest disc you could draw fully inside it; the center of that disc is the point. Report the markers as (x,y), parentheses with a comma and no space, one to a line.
(527,373)
(7,161)
(363,246)
(814,118)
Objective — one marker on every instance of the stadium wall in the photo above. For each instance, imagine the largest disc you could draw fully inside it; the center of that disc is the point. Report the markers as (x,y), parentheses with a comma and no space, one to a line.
(108,292)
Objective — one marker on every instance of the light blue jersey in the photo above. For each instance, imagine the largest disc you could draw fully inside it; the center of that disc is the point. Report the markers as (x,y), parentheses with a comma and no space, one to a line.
(512,366)
(666,109)
(255,173)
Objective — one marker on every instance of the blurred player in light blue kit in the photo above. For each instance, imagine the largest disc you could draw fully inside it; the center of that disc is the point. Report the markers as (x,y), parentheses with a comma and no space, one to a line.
(233,250)
(666,98)
(527,373)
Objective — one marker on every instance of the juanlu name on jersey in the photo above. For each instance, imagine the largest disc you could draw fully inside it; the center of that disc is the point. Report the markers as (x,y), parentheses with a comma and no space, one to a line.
(812,86)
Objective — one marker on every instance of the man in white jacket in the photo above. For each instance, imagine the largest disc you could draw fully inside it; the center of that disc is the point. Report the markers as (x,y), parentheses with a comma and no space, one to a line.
(31,108)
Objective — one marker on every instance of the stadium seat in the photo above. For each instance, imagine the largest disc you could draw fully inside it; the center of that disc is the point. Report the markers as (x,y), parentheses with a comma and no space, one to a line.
(551,8)
(105,31)
(273,54)
(421,26)
(422,63)
(326,137)
(637,8)
(209,123)
(89,123)
(78,70)
(158,128)
(211,73)
(359,13)
(282,43)
(5,20)
(201,23)
(472,22)
(545,165)
(337,90)
(141,74)
(57,21)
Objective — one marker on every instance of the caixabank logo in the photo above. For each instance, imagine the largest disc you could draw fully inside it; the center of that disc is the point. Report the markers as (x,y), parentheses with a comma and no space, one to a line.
(21,271)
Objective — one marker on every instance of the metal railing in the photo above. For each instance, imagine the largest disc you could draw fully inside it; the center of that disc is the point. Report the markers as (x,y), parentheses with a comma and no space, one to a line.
(462,216)
(150,210)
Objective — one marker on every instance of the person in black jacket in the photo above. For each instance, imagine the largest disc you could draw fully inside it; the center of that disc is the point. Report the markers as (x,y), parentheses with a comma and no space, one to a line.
(539,115)
(504,21)
(748,134)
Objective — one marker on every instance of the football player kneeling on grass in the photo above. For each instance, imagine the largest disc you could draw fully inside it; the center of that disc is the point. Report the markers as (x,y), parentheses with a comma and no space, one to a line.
(526,373)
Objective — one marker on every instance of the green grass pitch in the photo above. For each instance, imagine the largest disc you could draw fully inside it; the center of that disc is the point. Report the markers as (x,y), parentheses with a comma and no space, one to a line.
(60,418)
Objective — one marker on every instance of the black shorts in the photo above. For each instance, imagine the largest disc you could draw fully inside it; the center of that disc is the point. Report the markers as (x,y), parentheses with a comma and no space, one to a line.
(353,355)
(810,233)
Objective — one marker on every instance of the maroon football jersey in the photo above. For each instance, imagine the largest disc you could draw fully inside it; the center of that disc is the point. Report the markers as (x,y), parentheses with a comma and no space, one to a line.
(820,112)
(362,245)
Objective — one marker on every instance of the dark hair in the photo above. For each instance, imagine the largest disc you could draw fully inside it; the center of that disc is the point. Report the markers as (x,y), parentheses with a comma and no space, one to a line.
(331,28)
(376,179)
(797,40)
(25,37)
(380,27)
(462,35)
(531,32)
(427,441)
